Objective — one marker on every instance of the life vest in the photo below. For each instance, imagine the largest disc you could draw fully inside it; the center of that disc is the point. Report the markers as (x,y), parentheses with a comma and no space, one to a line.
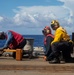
(17,39)
(46,38)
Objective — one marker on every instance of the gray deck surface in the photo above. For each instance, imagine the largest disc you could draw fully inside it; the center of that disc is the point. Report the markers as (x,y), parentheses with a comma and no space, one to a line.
(35,64)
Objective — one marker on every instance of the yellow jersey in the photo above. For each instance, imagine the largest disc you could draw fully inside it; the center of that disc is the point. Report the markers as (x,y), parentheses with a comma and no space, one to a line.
(60,35)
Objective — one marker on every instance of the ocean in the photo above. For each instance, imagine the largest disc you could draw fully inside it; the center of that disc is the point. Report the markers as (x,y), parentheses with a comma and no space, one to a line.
(38,40)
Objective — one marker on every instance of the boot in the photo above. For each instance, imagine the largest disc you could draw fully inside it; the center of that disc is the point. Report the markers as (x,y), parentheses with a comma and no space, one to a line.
(55,61)
(62,60)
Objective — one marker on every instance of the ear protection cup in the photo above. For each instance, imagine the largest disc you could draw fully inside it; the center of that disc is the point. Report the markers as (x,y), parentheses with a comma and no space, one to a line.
(47,31)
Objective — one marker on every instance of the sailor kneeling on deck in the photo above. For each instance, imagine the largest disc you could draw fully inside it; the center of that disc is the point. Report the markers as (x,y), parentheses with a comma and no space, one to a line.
(61,43)
(14,40)
(48,38)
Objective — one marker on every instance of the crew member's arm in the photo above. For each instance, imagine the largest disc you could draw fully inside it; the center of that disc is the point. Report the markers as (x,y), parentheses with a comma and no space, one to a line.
(9,39)
(58,36)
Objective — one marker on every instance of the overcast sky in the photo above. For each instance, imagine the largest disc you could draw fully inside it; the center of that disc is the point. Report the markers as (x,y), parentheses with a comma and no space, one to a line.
(31,16)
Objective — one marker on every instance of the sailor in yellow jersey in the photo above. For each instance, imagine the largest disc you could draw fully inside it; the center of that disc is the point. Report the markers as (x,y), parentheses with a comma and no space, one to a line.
(61,42)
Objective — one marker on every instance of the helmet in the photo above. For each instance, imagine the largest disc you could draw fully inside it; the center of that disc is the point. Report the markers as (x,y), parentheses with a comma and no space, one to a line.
(54,22)
(46,30)
(1,33)
(2,36)
(47,27)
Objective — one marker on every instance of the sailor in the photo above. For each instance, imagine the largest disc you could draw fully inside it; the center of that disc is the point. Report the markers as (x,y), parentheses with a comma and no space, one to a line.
(14,40)
(61,42)
(48,38)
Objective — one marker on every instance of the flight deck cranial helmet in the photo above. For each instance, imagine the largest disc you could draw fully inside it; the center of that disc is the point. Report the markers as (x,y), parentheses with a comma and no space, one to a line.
(2,36)
(54,23)
(46,30)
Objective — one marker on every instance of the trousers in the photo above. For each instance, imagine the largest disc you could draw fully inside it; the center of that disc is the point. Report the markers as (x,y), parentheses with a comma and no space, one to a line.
(65,47)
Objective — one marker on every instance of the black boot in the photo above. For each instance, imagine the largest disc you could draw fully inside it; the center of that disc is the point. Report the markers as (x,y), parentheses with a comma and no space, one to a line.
(62,60)
(55,61)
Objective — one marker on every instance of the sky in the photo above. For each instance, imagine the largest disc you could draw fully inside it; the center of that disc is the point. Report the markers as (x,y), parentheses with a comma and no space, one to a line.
(29,17)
